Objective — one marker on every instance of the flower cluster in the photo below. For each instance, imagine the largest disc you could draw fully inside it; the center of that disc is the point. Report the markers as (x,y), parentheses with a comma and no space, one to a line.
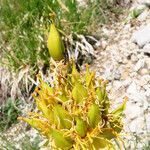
(74,111)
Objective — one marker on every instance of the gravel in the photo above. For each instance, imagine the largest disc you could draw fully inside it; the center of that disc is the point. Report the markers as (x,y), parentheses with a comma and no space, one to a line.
(126,64)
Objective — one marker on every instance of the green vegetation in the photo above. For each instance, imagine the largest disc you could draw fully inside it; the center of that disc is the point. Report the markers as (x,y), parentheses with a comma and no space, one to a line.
(24,25)
(136,12)
(74,111)
(9,113)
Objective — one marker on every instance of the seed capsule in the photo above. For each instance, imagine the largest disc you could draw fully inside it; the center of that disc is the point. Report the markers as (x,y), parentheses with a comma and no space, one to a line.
(79,93)
(94,115)
(81,127)
(55,44)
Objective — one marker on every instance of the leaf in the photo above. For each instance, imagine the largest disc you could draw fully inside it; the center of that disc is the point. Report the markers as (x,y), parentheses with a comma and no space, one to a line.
(136,12)
(61,141)
(81,127)
(38,124)
(75,75)
(62,117)
(116,125)
(79,93)
(100,143)
(46,88)
(99,94)
(47,112)
(94,116)
(119,110)
(107,133)
(89,76)
(63,96)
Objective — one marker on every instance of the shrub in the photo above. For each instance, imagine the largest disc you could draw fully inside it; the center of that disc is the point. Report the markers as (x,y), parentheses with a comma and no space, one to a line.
(74,110)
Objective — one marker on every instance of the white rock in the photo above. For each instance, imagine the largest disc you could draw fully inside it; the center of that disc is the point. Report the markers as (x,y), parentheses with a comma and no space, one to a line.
(144,71)
(145,105)
(132,110)
(144,15)
(104,44)
(142,36)
(146,48)
(144,80)
(147,62)
(127,26)
(148,121)
(133,74)
(117,75)
(144,2)
(131,88)
(140,64)
(134,58)
(127,82)
(137,125)
(134,94)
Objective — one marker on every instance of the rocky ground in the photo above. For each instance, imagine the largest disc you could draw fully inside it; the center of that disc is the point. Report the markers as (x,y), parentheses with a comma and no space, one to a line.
(124,59)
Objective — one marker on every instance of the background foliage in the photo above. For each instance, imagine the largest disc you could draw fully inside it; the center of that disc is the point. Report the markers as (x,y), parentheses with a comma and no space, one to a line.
(24,26)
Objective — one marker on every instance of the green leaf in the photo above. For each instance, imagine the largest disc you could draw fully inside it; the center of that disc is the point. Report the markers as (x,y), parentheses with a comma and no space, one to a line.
(94,116)
(62,117)
(119,110)
(61,141)
(107,133)
(81,127)
(100,143)
(79,93)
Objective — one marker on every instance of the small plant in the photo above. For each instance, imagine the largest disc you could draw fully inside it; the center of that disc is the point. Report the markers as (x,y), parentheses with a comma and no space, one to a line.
(74,111)
(9,113)
(136,12)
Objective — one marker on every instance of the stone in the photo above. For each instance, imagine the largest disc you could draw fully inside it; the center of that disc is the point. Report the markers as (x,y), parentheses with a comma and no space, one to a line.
(117,75)
(140,64)
(135,94)
(142,36)
(134,58)
(145,2)
(148,122)
(146,48)
(137,125)
(144,71)
(133,111)
(144,80)
(144,15)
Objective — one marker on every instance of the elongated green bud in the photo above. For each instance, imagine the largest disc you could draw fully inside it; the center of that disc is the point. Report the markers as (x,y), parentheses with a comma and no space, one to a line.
(79,93)
(81,127)
(94,115)
(99,94)
(55,44)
